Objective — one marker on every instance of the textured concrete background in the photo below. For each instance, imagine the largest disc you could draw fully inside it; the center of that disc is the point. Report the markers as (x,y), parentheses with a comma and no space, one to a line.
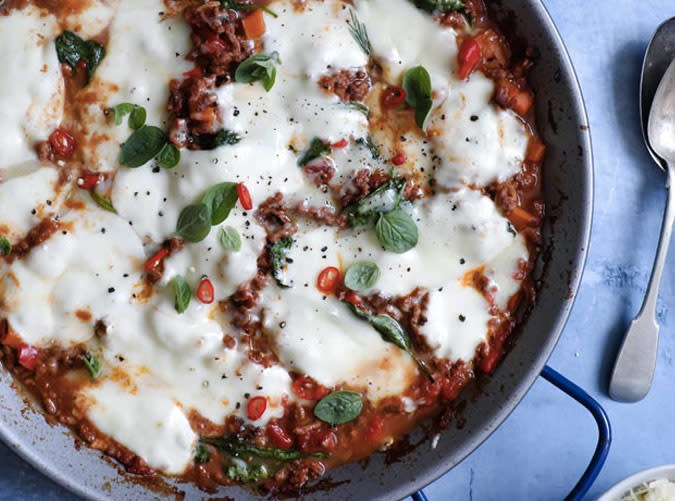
(539,452)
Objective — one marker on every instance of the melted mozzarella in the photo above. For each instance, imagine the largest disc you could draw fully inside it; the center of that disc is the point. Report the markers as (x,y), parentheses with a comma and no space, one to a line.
(154,425)
(393,25)
(26,197)
(488,144)
(31,85)
(93,19)
(137,68)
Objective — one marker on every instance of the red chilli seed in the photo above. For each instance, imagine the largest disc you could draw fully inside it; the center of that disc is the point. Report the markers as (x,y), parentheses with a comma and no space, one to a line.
(88,180)
(155,260)
(256,408)
(62,143)
(205,292)
(399,159)
(244,196)
(28,356)
(279,436)
(393,96)
(328,280)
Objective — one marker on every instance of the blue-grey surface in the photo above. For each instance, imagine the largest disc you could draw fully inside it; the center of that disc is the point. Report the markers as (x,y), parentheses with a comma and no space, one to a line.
(543,447)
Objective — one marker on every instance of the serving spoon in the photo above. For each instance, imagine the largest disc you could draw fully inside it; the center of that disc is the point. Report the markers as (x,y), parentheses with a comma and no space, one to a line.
(634,367)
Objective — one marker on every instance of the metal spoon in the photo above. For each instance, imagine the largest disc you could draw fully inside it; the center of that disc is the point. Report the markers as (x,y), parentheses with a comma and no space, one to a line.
(634,367)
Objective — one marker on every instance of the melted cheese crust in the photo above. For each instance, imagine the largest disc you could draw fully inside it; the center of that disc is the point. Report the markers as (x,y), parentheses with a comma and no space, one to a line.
(178,363)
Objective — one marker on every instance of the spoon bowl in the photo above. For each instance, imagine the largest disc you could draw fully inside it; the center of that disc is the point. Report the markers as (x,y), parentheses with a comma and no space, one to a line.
(633,371)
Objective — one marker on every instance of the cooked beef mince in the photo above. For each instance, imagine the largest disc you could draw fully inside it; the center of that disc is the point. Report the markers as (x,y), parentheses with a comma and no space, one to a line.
(172,245)
(36,236)
(274,216)
(194,105)
(349,86)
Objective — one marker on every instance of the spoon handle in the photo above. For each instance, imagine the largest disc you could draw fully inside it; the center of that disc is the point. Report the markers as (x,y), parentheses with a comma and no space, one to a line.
(634,367)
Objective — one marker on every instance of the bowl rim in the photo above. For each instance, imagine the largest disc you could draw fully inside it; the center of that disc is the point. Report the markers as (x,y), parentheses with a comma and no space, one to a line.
(614,493)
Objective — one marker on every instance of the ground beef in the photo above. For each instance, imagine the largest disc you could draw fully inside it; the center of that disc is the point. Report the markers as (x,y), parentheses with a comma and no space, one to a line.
(320,171)
(349,86)
(194,106)
(326,214)
(274,216)
(218,39)
(505,196)
(35,237)
(45,152)
(362,184)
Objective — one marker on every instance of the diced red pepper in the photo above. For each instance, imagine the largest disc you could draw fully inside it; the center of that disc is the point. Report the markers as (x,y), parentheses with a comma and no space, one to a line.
(342,143)
(256,408)
(155,260)
(88,180)
(279,436)
(399,159)
(469,56)
(28,356)
(205,291)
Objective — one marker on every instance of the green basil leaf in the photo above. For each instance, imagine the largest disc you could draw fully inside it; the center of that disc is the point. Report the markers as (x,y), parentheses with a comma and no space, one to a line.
(317,148)
(194,222)
(220,199)
(142,146)
(236,5)
(103,202)
(213,141)
(229,238)
(359,33)
(71,49)
(169,157)
(202,454)
(417,85)
(258,67)
(137,117)
(384,199)
(121,110)
(182,294)
(93,364)
(279,251)
(339,407)
(396,231)
(360,107)
(5,246)
(361,275)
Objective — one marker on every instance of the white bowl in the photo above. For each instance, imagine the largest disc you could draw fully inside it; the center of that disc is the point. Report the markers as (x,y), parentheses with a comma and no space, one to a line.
(666,471)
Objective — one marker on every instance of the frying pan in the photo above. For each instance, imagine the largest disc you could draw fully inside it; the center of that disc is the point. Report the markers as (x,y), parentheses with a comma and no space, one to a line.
(568,182)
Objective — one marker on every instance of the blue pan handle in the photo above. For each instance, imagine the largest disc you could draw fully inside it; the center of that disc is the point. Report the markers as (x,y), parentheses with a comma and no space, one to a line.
(604,434)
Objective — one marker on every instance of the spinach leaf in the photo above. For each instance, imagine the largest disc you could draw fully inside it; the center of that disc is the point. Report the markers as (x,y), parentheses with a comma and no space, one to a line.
(417,85)
(71,49)
(202,454)
(93,364)
(5,246)
(361,275)
(229,239)
(384,199)
(220,199)
(142,146)
(241,471)
(182,294)
(103,202)
(258,67)
(368,143)
(194,222)
(339,407)
(279,251)
(441,5)
(236,5)
(213,141)
(360,107)
(396,231)
(169,157)
(317,148)
(235,447)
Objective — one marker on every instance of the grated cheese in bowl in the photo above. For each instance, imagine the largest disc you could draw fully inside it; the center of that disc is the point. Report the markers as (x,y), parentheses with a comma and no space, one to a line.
(655,490)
